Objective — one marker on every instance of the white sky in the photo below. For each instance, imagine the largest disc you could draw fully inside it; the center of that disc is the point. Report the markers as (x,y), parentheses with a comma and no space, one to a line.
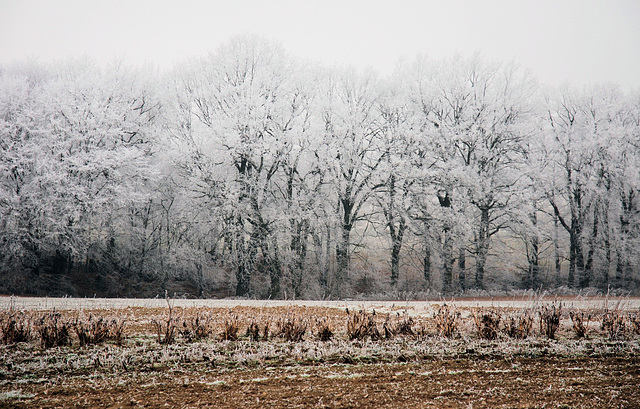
(580,41)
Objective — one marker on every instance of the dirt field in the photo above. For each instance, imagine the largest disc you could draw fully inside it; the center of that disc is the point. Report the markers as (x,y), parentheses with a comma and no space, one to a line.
(424,369)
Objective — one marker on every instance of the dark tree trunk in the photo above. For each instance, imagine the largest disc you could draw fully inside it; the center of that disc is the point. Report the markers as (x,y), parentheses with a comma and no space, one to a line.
(342,259)
(533,254)
(462,264)
(396,238)
(482,248)
(299,250)
(556,250)
(447,255)
(426,265)
(447,246)
(587,274)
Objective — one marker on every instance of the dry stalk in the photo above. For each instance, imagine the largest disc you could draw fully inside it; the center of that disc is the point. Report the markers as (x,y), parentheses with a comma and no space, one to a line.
(166,330)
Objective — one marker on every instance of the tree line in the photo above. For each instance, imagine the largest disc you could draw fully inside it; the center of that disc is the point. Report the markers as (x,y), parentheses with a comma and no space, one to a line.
(251,173)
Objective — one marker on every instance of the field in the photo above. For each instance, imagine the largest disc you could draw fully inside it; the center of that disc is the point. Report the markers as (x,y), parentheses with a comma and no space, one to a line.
(208,353)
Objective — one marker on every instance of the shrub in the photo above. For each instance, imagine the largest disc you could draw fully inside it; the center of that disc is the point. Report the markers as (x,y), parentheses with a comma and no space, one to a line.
(613,323)
(14,327)
(325,332)
(361,325)
(519,326)
(292,329)
(253,332)
(550,320)
(447,321)
(53,330)
(404,326)
(230,329)
(95,331)
(487,323)
(580,321)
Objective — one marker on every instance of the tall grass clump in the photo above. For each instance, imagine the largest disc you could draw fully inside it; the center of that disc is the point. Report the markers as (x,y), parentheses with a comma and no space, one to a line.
(550,319)
(230,329)
(361,325)
(14,327)
(447,321)
(53,330)
(519,325)
(613,324)
(93,331)
(580,323)
(196,328)
(291,328)
(487,323)
(324,330)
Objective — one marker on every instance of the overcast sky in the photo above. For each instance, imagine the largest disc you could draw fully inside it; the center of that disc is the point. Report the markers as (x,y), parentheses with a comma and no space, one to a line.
(580,41)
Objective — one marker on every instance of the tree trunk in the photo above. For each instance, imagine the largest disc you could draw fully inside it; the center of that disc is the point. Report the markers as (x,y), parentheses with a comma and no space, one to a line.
(299,251)
(342,259)
(426,265)
(396,239)
(587,274)
(556,249)
(533,254)
(447,256)
(462,264)
(482,248)
(447,245)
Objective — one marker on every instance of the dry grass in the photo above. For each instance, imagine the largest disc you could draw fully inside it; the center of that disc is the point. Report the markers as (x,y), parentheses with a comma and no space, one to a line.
(580,323)
(291,328)
(91,331)
(361,325)
(613,324)
(550,319)
(324,330)
(14,327)
(54,330)
(230,329)
(487,323)
(447,321)
(519,325)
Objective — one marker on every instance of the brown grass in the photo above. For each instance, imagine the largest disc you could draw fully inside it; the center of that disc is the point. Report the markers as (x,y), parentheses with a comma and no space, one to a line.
(550,319)
(447,321)
(487,323)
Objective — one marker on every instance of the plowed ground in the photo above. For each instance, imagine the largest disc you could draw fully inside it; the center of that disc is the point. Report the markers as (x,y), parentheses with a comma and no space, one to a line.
(348,374)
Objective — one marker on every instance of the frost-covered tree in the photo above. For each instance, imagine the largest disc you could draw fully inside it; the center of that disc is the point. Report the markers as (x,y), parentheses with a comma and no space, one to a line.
(85,153)
(352,154)
(245,119)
